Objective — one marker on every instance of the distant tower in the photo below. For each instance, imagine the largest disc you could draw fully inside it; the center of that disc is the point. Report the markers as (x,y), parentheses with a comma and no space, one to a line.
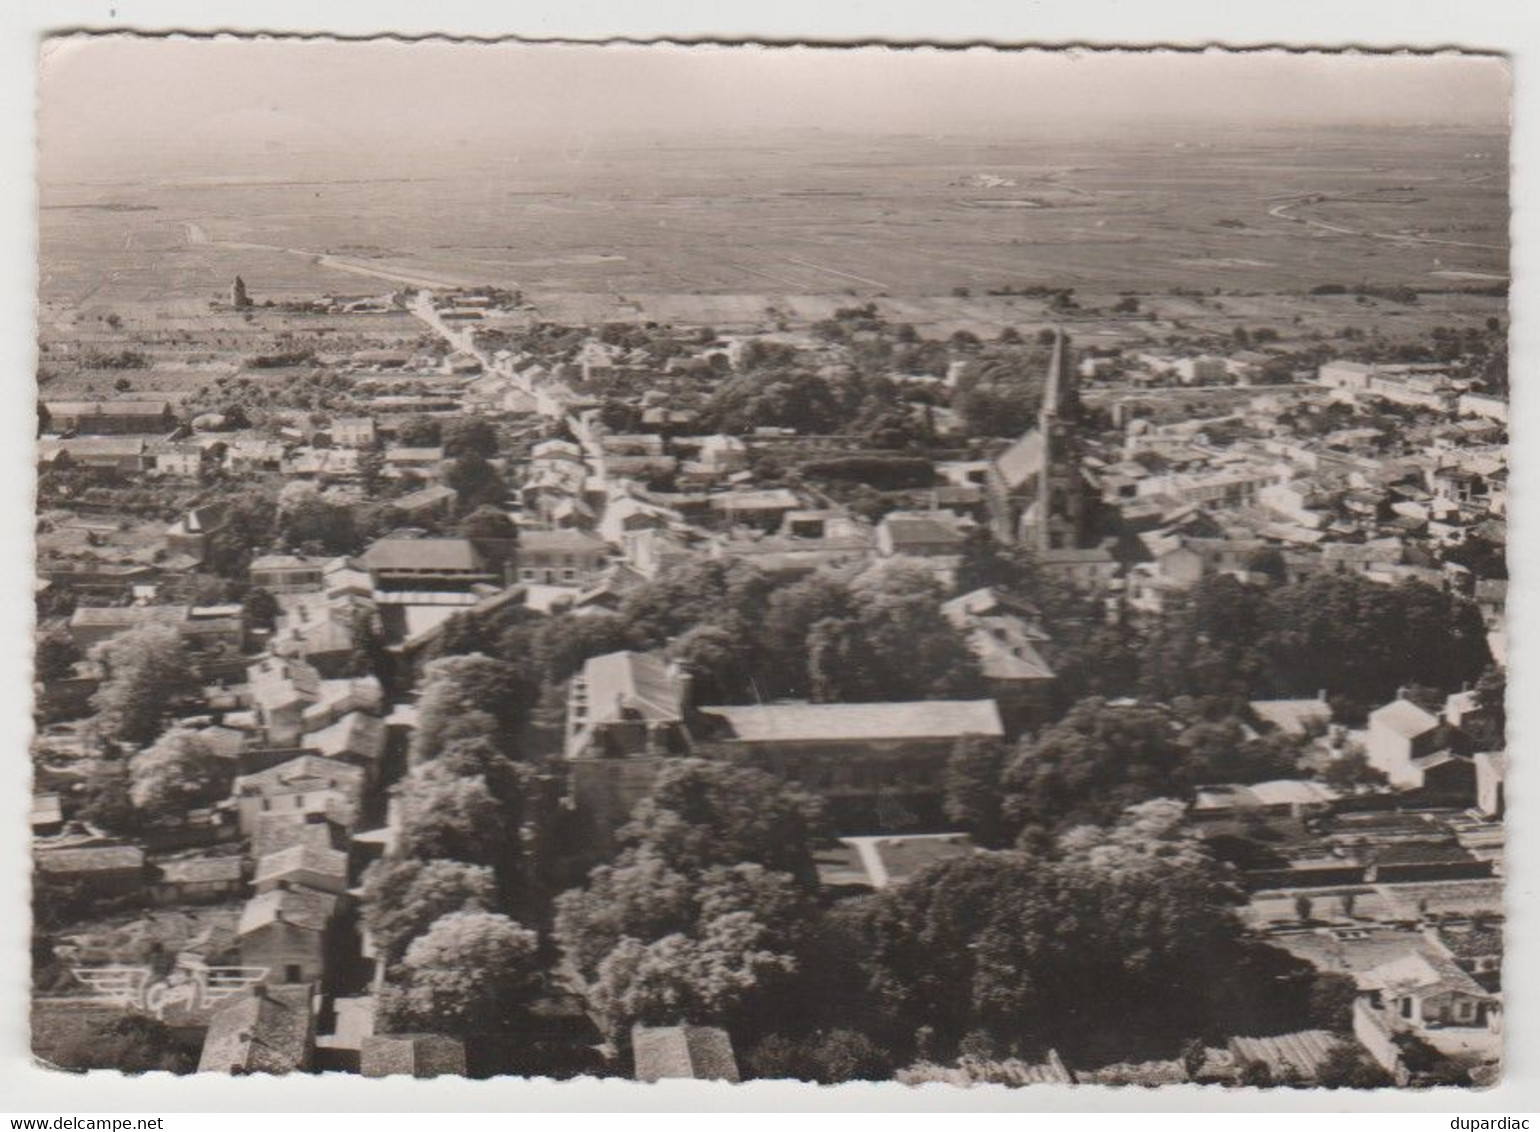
(1035,488)
(1061,503)
(239,299)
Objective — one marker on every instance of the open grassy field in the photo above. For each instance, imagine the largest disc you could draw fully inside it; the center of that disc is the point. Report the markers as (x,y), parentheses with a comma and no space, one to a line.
(816,215)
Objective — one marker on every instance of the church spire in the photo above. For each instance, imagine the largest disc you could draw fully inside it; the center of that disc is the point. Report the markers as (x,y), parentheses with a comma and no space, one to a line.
(1061,393)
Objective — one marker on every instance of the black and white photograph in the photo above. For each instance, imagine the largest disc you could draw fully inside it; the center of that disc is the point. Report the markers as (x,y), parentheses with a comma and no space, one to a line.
(770,563)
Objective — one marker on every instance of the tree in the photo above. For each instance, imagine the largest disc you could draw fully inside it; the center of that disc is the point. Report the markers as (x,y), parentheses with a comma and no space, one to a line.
(1350,770)
(454,686)
(259,609)
(56,656)
(251,520)
(130,1043)
(1219,751)
(371,470)
(489,524)
(637,897)
(469,975)
(469,434)
(474,480)
(1487,726)
(973,789)
(896,645)
(566,641)
(105,799)
(307,519)
(713,977)
(1348,1065)
(1256,1074)
(721,662)
(420,432)
(787,622)
(475,754)
(701,813)
(723,592)
(1331,998)
(1033,949)
(655,944)
(456,819)
(1093,763)
(177,774)
(1362,640)
(829,1057)
(145,672)
(999,391)
(402,899)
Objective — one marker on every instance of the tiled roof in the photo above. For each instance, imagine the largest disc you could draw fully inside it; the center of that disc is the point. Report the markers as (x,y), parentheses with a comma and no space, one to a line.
(978,1071)
(303,772)
(356,734)
(267,1031)
(671,1052)
(278,831)
(307,858)
(303,907)
(100,858)
(1302,1051)
(416,1055)
(803,722)
(1022,460)
(561,541)
(632,681)
(1293,717)
(919,530)
(1404,718)
(200,870)
(449,554)
(128,615)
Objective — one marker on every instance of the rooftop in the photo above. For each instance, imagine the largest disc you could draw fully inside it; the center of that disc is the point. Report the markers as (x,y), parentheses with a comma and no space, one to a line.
(101,858)
(268,1031)
(302,907)
(450,555)
(804,722)
(632,682)
(693,1052)
(415,1055)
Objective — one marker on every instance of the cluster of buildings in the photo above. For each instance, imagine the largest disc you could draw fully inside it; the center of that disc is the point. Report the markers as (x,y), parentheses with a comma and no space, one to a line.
(1395,888)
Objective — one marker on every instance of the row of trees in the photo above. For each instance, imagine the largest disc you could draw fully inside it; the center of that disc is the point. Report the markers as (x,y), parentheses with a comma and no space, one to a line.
(447,911)
(1099,759)
(748,636)
(1120,936)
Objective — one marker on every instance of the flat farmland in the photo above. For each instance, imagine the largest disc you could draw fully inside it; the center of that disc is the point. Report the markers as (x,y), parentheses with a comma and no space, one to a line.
(813,216)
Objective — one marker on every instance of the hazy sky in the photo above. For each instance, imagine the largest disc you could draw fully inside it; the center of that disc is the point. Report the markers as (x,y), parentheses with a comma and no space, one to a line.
(123,94)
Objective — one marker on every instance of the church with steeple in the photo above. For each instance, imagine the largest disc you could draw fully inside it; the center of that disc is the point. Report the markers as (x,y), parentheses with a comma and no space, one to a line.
(1037,491)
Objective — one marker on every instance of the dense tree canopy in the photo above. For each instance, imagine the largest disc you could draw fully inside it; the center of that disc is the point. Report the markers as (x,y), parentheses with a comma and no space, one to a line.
(456,819)
(999,392)
(403,898)
(312,522)
(145,672)
(455,686)
(1032,950)
(179,773)
(662,946)
(701,813)
(469,975)
(1093,763)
